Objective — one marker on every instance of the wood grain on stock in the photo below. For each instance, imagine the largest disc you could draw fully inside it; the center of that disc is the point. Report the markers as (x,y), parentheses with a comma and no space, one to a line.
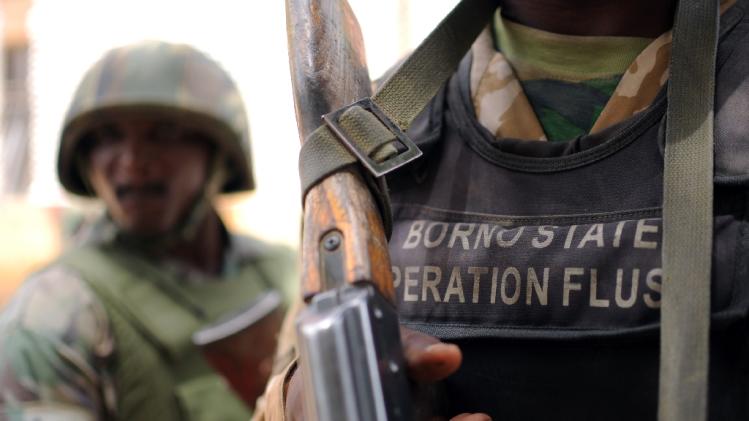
(329,71)
(342,202)
(326,55)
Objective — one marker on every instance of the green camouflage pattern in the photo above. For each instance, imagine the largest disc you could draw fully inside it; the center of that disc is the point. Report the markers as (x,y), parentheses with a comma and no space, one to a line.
(55,342)
(516,97)
(160,79)
(56,339)
(567,79)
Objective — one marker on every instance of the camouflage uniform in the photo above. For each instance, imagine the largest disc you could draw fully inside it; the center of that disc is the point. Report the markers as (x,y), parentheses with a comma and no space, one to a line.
(502,107)
(58,344)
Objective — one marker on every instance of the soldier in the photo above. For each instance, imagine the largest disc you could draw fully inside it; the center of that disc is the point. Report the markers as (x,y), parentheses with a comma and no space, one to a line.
(528,238)
(156,131)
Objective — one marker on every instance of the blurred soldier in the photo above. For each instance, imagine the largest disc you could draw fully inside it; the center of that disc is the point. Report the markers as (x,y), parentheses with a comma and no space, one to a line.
(529,236)
(156,131)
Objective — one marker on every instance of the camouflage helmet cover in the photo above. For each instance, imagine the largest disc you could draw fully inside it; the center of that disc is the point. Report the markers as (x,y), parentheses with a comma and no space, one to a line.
(159,78)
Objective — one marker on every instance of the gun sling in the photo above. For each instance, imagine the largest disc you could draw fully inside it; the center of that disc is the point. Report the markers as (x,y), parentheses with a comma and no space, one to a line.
(399,100)
(370,131)
(688,215)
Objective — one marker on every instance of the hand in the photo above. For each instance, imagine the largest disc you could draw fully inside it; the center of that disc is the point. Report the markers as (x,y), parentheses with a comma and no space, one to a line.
(428,360)
(471,417)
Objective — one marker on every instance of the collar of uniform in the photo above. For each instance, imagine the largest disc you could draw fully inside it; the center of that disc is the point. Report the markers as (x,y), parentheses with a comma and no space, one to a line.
(537,54)
(642,81)
(104,231)
(502,107)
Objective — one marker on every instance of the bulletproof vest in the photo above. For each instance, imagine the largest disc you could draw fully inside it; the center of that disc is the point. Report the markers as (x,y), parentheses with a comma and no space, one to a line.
(158,373)
(542,261)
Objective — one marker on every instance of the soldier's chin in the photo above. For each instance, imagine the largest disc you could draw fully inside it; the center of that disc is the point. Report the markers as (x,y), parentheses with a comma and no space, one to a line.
(145,227)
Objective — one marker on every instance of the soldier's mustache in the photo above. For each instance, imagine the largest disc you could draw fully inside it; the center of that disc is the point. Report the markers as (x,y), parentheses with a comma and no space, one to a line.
(150,189)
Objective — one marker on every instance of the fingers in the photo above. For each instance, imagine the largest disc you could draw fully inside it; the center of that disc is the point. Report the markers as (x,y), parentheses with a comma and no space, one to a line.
(471,417)
(294,398)
(427,358)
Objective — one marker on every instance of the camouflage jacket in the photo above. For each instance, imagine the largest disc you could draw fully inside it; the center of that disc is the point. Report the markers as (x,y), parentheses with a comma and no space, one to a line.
(57,342)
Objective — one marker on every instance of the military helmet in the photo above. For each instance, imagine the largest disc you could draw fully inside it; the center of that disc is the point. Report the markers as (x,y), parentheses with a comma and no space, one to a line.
(161,79)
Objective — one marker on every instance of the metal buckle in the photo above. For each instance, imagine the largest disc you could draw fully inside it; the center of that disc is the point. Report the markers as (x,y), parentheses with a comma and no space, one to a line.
(378,169)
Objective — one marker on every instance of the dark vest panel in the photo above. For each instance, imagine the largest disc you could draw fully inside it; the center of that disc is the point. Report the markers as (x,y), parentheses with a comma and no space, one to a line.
(543,260)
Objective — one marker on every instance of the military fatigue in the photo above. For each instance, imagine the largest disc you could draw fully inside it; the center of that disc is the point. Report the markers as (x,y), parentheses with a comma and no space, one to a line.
(105,332)
(500,107)
(499,79)
(58,347)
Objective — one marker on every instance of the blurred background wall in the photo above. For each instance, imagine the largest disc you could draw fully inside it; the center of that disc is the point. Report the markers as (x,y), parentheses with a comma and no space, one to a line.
(48,44)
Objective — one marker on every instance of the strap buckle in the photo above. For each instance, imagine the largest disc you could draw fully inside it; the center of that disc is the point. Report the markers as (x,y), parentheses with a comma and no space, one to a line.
(378,169)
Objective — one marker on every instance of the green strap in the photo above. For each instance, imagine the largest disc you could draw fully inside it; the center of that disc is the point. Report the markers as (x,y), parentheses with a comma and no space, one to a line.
(143,313)
(401,99)
(164,311)
(688,215)
(422,74)
(166,319)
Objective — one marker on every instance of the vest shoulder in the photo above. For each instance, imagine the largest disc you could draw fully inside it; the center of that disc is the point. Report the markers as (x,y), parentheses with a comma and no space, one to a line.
(732,98)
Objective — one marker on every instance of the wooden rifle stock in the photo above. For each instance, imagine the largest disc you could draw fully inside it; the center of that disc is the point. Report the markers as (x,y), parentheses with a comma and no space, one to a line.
(343,236)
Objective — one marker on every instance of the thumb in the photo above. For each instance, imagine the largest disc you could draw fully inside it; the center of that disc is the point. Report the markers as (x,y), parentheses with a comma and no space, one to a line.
(428,359)
(471,417)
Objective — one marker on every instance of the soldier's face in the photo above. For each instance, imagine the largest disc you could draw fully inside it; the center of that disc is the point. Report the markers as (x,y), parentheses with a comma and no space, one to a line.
(147,171)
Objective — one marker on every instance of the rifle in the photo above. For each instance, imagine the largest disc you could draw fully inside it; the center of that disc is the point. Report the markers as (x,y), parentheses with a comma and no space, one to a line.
(349,342)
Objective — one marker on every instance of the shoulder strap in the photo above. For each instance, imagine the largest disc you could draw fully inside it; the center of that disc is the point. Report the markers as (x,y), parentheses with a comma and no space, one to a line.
(166,313)
(371,131)
(688,214)
(165,323)
(157,315)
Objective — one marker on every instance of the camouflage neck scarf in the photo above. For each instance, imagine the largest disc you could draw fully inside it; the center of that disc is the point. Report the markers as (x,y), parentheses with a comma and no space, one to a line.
(511,93)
